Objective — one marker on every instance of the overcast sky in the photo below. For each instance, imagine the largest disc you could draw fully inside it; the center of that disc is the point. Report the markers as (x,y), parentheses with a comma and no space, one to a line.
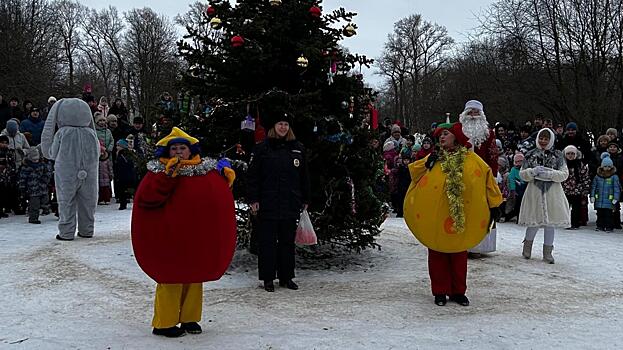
(375,19)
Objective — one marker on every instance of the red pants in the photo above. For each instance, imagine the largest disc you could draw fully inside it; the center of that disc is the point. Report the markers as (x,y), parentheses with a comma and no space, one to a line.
(448,272)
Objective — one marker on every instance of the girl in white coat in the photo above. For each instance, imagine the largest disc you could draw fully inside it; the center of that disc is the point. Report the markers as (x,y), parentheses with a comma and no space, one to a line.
(544,203)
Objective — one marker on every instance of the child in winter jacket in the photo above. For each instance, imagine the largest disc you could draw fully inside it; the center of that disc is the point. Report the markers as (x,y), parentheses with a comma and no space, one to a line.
(106,172)
(104,135)
(605,193)
(516,188)
(124,173)
(578,184)
(427,148)
(403,180)
(34,178)
(8,173)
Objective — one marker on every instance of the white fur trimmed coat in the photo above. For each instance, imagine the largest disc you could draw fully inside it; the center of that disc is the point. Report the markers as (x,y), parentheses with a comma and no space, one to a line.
(544,203)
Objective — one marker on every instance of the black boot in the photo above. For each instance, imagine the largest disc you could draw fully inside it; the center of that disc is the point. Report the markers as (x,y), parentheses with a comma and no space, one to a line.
(460,299)
(191,327)
(34,222)
(269,286)
(288,284)
(123,206)
(172,332)
(440,300)
(63,239)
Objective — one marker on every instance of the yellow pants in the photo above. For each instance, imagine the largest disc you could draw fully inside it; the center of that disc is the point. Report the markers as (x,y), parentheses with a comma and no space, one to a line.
(177,303)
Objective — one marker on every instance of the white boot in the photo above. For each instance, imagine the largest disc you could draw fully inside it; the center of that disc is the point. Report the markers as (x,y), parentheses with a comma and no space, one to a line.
(527,249)
(547,253)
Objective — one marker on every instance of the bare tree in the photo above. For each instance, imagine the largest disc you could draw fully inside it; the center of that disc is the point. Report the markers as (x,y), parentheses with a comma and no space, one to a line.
(69,15)
(414,55)
(28,50)
(150,49)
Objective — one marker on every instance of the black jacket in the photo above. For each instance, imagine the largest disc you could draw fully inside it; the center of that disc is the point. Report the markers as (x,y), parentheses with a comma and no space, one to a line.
(123,168)
(278,179)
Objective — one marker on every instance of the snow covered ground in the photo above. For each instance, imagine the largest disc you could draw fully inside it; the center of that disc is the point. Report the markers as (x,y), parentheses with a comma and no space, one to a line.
(90,294)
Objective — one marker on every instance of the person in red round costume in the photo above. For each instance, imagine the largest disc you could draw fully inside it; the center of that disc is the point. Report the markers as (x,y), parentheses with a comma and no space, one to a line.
(169,244)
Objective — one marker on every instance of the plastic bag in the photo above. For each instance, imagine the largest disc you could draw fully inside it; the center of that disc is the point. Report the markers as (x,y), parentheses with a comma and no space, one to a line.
(305,234)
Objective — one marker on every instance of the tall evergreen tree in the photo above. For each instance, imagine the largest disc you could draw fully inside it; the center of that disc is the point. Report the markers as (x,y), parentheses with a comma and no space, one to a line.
(261,57)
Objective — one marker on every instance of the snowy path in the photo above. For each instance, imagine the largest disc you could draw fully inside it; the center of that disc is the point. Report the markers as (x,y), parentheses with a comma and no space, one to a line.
(90,294)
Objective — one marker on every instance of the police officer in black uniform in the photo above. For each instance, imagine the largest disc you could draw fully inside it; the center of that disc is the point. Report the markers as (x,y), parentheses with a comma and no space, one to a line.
(278,190)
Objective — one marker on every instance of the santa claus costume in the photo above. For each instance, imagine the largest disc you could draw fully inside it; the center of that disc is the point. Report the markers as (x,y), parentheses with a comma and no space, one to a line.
(450,204)
(482,138)
(169,244)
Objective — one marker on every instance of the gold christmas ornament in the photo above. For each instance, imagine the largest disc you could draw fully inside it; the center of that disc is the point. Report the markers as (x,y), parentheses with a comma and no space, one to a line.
(216,23)
(350,30)
(302,62)
(274,3)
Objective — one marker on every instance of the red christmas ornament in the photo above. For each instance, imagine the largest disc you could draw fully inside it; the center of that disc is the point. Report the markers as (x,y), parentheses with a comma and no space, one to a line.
(210,11)
(315,11)
(237,41)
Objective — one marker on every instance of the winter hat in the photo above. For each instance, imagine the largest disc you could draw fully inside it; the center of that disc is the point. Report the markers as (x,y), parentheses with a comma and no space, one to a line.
(474,104)
(457,130)
(603,138)
(138,120)
(416,147)
(427,140)
(123,143)
(519,157)
(275,107)
(614,144)
(33,154)
(51,99)
(4,138)
(572,126)
(388,146)
(498,143)
(606,161)
(111,118)
(177,135)
(612,131)
(11,127)
(395,128)
(571,149)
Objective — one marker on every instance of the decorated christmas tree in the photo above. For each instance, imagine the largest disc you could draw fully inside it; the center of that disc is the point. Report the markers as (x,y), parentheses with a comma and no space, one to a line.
(260,56)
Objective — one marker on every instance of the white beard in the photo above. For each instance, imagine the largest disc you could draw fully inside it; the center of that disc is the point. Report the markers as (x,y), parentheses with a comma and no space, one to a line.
(476,129)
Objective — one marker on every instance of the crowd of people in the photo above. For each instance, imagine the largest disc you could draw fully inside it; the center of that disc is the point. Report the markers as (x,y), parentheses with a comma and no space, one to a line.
(594,168)
(125,139)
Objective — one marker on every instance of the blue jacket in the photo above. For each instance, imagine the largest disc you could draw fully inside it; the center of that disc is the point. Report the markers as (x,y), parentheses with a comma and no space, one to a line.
(34,178)
(34,127)
(605,188)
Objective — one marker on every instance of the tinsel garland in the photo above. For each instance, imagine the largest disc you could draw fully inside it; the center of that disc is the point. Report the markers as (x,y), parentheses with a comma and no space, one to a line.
(452,166)
(206,165)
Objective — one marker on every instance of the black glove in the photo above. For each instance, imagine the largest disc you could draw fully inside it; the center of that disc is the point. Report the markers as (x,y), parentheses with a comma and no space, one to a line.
(430,162)
(495,214)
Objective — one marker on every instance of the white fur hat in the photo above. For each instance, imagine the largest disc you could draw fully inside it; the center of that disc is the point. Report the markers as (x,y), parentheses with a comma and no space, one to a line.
(474,104)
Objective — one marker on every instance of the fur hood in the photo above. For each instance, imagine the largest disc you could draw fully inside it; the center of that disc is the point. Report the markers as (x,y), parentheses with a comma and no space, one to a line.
(606,172)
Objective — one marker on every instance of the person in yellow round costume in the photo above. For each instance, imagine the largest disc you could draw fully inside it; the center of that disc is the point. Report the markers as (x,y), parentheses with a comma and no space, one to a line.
(449,207)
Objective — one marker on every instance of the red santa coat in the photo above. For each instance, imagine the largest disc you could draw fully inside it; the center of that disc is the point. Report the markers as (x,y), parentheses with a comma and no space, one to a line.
(488,151)
(184,227)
